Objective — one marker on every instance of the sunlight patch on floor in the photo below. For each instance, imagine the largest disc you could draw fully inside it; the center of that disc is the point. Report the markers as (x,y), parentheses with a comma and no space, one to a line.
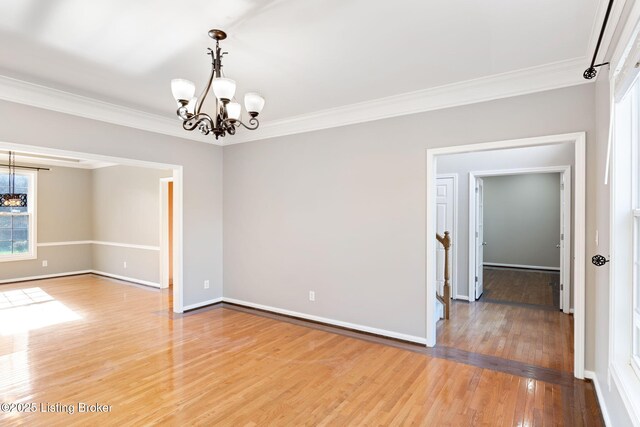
(23,310)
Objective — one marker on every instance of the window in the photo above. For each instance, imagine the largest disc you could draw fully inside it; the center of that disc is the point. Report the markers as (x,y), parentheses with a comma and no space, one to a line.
(17,224)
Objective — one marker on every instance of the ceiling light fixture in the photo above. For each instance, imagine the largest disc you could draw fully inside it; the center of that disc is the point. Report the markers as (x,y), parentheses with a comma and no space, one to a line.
(13,199)
(227,111)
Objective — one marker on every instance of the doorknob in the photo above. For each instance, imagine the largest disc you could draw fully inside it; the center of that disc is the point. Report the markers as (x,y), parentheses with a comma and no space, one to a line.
(558,246)
(484,243)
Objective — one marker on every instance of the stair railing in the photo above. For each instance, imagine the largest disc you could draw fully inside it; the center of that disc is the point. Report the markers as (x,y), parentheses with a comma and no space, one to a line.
(445,298)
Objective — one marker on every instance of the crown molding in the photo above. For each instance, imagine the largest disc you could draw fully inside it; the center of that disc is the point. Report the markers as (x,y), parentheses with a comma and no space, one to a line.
(39,96)
(521,82)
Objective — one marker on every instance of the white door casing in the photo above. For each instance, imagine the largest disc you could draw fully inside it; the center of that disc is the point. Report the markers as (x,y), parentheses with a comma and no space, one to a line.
(576,241)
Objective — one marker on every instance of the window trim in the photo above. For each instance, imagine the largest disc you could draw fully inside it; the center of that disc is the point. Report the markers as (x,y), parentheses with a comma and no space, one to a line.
(622,268)
(32,209)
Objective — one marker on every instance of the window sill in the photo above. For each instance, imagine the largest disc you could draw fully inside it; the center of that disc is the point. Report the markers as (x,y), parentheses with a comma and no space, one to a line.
(25,257)
(628,383)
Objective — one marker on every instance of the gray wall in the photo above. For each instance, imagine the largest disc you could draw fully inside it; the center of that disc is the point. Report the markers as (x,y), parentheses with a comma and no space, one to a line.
(202,173)
(126,204)
(342,211)
(462,164)
(522,219)
(59,218)
(126,209)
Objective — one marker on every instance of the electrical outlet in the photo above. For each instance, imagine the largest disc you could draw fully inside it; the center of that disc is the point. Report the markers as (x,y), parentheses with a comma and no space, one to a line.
(206,284)
(124,264)
(45,263)
(312,296)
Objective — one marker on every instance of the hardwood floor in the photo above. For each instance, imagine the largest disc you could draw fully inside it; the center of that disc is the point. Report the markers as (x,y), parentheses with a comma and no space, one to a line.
(522,286)
(513,320)
(532,336)
(120,345)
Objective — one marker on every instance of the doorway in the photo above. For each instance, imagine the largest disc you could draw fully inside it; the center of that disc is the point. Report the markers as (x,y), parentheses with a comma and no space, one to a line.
(542,253)
(577,197)
(98,159)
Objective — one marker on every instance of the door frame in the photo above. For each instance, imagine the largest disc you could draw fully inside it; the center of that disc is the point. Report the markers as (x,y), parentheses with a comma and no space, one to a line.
(578,139)
(565,269)
(164,232)
(454,235)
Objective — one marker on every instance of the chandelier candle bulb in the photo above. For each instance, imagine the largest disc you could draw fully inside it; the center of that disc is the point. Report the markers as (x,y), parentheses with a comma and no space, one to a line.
(224,116)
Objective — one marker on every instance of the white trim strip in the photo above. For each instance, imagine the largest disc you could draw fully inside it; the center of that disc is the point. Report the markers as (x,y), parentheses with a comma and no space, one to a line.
(340,323)
(126,279)
(45,276)
(603,406)
(528,267)
(462,297)
(99,242)
(202,304)
(68,243)
(75,273)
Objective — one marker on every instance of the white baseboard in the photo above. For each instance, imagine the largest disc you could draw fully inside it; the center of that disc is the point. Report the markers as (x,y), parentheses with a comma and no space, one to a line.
(75,273)
(603,407)
(528,267)
(126,279)
(376,331)
(45,276)
(462,297)
(202,304)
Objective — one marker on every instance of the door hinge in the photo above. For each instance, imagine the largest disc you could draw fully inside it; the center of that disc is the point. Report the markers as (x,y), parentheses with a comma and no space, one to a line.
(562,236)
(477,235)
(561,286)
(562,186)
(476,278)
(477,189)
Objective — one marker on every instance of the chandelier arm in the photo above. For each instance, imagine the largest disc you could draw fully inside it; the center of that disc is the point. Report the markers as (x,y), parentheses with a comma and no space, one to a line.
(202,121)
(253,123)
(200,101)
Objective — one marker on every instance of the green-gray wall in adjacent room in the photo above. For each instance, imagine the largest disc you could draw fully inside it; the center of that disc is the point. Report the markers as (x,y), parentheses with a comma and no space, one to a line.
(522,220)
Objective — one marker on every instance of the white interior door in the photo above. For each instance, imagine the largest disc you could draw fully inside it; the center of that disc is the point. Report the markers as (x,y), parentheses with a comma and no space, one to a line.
(479,236)
(565,241)
(444,222)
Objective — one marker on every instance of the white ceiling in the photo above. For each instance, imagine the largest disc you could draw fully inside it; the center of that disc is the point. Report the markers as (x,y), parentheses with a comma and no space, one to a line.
(303,56)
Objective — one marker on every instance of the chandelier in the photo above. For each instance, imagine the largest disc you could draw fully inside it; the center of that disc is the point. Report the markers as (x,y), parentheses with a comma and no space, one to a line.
(225,118)
(13,199)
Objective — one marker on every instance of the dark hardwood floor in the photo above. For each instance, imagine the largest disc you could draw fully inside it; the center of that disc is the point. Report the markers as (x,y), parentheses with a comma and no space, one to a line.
(522,286)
